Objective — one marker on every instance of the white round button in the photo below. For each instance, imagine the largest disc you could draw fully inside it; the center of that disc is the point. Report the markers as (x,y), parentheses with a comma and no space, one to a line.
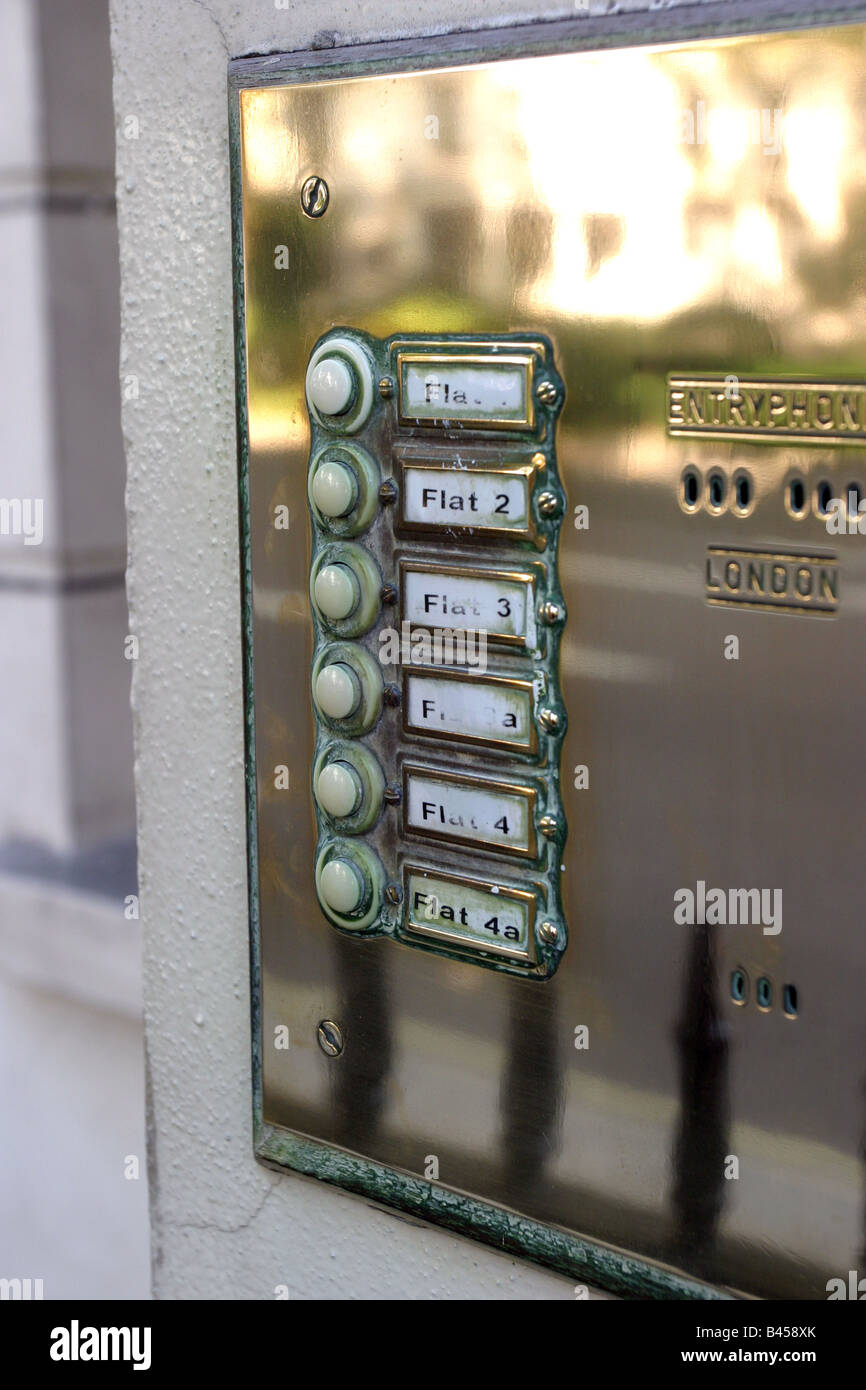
(333,489)
(341,886)
(336,591)
(338,789)
(337,692)
(331,386)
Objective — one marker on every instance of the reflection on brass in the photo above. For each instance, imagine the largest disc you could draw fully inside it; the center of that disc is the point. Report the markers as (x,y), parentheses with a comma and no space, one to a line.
(416,924)
(776,582)
(521,688)
(718,407)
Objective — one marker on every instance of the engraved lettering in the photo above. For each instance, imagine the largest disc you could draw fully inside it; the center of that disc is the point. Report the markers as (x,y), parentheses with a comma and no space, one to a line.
(829,584)
(826,411)
(736,409)
(793,583)
(696,410)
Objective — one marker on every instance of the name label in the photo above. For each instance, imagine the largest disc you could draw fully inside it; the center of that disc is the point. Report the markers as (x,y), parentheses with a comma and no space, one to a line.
(498,603)
(439,388)
(486,814)
(833,412)
(493,712)
(470,912)
(466,499)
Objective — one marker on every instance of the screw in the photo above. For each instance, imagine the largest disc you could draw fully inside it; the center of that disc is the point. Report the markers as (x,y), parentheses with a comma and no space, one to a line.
(388,492)
(551,612)
(330,1037)
(392,796)
(546,392)
(548,503)
(548,932)
(393,894)
(315,196)
(549,720)
(548,826)
(386,387)
(391,696)
(388,593)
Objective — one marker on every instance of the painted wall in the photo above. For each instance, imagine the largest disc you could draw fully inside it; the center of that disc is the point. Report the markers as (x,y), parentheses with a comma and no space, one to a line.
(73,1214)
(222,1226)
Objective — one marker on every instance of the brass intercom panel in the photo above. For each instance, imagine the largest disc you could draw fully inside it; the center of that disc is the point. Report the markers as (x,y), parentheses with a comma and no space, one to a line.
(422,445)
(552,403)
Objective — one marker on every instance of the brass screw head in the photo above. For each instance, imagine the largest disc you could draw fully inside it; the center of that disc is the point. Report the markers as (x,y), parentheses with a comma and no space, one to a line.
(393,894)
(546,392)
(548,826)
(548,503)
(315,196)
(551,612)
(548,932)
(388,492)
(386,387)
(329,1036)
(549,720)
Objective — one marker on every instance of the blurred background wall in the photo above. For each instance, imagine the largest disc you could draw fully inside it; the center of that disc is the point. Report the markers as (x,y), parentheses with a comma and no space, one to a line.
(72,1213)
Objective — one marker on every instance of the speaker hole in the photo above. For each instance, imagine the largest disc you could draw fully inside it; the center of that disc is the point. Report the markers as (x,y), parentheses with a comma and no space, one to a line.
(790,1001)
(691,488)
(797,496)
(764,993)
(716,491)
(742,492)
(823,497)
(739,986)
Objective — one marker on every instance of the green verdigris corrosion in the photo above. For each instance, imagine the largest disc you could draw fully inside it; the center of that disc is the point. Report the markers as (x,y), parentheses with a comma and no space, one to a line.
(505,1230)
(526,443)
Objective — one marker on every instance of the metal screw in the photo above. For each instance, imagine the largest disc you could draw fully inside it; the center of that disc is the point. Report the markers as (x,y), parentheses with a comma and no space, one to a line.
(549,720)
(386,387)
(548,932)
(548,826)
(392,796)
(391,695)
(393,894)
(330,1037)
(315,196)
(546,392)
(551,612)
(548,503)
(388,492)
(388,593)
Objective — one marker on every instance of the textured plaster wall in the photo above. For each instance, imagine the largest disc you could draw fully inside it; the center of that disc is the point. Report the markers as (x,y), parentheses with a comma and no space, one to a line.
(223,1226)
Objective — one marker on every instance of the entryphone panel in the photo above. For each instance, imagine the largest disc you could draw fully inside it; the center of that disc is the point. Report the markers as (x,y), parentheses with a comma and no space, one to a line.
(552,393)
